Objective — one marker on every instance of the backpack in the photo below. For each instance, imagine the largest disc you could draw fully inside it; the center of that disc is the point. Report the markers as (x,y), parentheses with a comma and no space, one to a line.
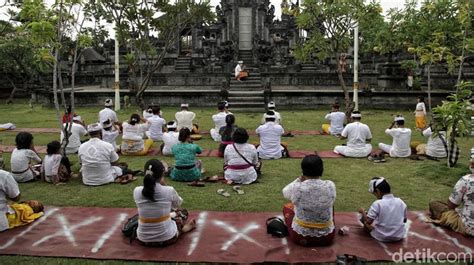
(276,227)
(130,227)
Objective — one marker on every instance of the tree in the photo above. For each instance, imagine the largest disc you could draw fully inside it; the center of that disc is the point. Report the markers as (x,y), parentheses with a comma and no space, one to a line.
(135,21)
(330,24)
(454,117)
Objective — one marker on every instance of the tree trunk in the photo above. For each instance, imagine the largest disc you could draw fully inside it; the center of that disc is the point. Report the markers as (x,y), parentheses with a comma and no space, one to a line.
(12,94)
(462,60)
(349,106)
(429,87)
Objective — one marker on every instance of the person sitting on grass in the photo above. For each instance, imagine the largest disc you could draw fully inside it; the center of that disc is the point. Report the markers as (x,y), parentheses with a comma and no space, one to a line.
(358,137)
(98,159)
(24,159)
(336,119)
(187,168)
(436,145)
(185,119)
(158,226)
(226,133)
(170,138)
(110,132)
(157,124)
(108,113)
(270,133)
(271,107)
(460,220)
(219,121)
(132,139)
(240,159)
(8,191)
(310,214)
(401,139)
(386,218)
(77,130)
(56,168)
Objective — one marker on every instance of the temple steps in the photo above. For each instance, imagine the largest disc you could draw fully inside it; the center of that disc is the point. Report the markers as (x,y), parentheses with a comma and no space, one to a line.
(183,64)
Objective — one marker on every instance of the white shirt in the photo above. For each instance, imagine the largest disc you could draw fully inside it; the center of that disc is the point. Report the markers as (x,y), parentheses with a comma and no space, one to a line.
(314,201)
(50,166)
(20,161)
(357,134)
(401,142)
(435,146)
(166,198)
(270,140)
(110,136)
(463,193)
(231,157)
(185,119)
(219,121)
(337,122)
(237,70)
(77,131)
(147,115)
(8,189)
(107,113)
(420,109)
(96,157)
(389,215)
(169,140)
(278,119)
(134,132)
(156,127)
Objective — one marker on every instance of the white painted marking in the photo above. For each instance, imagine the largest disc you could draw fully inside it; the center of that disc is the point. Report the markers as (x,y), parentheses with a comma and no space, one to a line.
(385,248)
(237,234)
(98,245)
(67,231)
(440,230)
(47,214)
(196,235)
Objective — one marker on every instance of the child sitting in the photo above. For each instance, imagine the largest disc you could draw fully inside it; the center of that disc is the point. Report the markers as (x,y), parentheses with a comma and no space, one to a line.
(386,218)
(56,168)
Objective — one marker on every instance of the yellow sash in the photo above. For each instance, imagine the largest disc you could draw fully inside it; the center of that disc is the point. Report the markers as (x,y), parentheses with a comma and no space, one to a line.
(154,220)
(312,225)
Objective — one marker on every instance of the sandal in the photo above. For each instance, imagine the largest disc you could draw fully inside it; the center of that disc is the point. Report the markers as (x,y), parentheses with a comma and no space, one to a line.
(214,178)
(239,190)
(223,192)
(196,184)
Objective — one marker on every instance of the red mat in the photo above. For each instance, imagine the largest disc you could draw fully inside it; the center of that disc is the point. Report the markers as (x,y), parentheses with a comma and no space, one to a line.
(56,130)
(220,237)
(205,153)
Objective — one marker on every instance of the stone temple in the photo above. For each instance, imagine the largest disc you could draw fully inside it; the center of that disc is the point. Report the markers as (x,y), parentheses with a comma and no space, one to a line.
(198,69)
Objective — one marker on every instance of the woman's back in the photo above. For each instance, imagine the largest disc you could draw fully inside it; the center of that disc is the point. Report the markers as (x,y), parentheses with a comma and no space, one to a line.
(154,228)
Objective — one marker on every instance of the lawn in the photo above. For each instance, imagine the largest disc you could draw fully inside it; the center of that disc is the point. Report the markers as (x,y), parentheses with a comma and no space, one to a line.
(416,182)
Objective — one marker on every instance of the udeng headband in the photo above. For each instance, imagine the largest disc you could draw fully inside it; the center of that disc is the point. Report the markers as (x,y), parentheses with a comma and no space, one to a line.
(374,183)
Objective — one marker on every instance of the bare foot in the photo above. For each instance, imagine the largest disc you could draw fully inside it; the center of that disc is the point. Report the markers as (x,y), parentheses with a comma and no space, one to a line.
(189,226)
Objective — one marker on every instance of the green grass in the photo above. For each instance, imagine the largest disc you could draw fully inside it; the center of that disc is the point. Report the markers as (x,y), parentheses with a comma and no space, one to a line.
(416,182)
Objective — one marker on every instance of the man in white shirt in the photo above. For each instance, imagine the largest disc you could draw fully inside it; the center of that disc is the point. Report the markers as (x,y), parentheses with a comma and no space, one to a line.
(270,138)
(387,216)
(239,71)
(77,131)
(185,118)
(401,139)
(110,132)
(271,107)
(98,158)
(157,124)
(107,113)
(358,137)
(219,121)
(8,191)
(336,119)
(170,138)
(436,145)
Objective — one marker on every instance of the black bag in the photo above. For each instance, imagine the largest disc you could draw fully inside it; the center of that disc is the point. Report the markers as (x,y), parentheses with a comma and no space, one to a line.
(276,227)
(130,227)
